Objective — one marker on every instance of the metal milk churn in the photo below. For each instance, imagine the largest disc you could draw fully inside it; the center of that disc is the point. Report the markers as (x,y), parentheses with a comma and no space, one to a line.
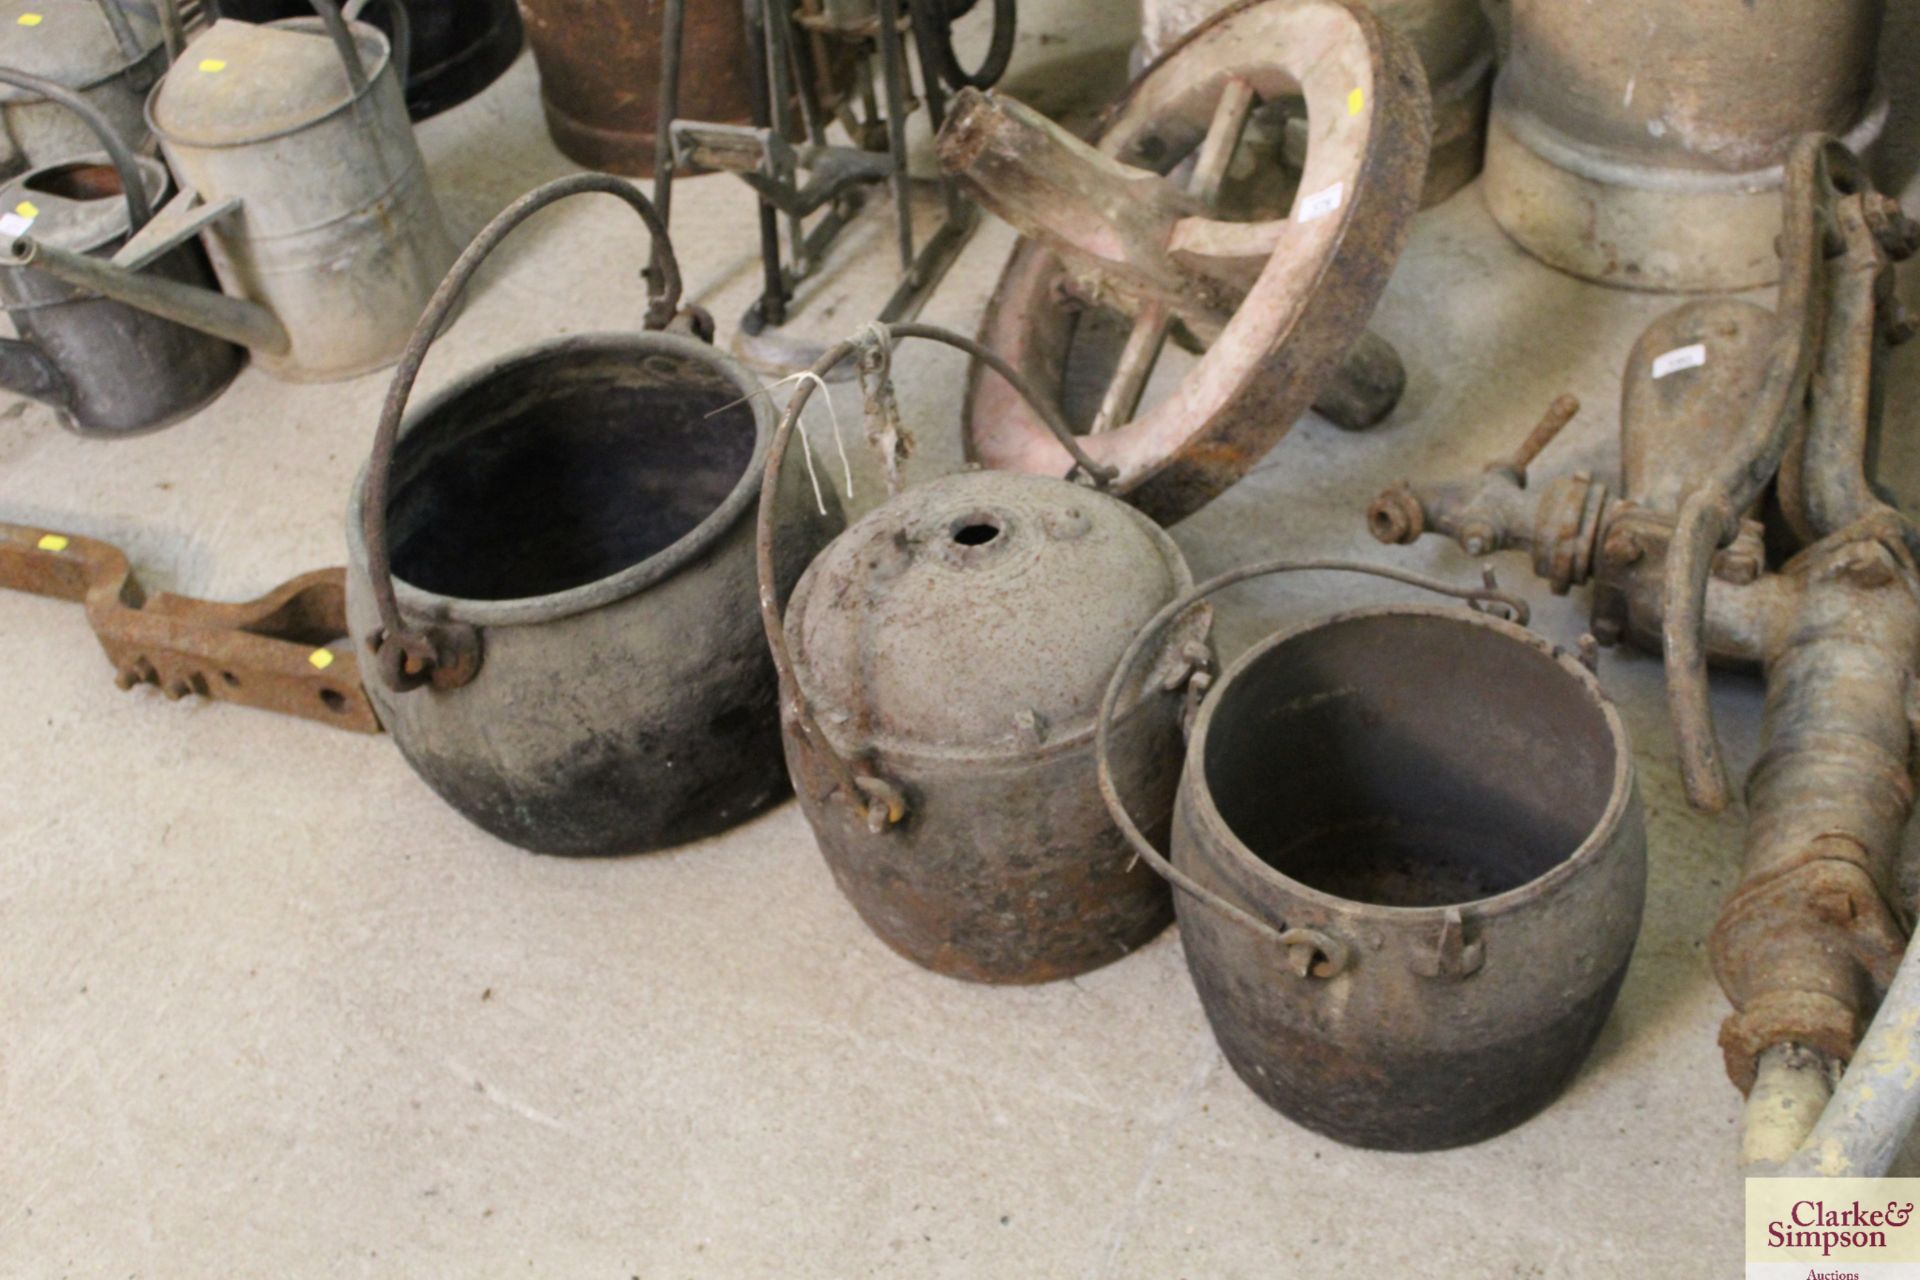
(551,565)
(296,159)
(109,369)
(941,664)
(1410,859)
(109,55)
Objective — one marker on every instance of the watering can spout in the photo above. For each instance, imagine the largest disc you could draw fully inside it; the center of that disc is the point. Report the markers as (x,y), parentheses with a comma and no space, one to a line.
(247,323)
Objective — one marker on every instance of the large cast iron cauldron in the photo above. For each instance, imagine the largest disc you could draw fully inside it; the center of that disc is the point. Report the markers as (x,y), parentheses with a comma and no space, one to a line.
(552,566)
(1411,863)
(941,664)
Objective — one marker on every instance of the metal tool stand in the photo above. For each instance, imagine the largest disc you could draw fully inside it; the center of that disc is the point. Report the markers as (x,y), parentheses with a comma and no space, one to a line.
(793,44)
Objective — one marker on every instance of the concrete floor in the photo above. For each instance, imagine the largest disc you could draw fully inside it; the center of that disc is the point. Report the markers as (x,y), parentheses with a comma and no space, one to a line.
(271,1008)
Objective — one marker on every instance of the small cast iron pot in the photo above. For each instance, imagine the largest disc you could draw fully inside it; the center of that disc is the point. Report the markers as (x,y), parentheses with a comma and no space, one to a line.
(1411,861)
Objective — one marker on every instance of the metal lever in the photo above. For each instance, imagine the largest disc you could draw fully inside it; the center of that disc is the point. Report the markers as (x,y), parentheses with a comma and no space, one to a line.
(277,653)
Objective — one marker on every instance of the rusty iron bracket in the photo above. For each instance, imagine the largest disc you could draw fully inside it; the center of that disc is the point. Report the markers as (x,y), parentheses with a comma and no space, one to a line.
(1734,416)
(283,652)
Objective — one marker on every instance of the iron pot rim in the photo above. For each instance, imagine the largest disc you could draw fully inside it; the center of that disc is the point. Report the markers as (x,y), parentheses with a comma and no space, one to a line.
(1620,799)
(529,610)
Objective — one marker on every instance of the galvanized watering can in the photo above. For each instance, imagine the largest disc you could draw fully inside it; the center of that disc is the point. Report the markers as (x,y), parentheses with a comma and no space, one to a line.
(297,162)
(109,369)
(940,666)
(458,47)
(551,565)
(1411,862)
(108,55)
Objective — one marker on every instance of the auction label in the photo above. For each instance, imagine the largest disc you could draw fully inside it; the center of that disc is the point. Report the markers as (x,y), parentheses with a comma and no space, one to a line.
(1833,1229)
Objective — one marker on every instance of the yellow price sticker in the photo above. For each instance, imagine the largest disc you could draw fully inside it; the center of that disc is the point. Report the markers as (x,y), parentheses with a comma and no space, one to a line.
(321,659)
(1356,102)
(53,542)
(213,64)
(30,19)
(27,209)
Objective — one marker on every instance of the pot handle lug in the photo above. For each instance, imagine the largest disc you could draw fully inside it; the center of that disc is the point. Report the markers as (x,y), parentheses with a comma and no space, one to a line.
(448,654)
(881,804)
(1300,943)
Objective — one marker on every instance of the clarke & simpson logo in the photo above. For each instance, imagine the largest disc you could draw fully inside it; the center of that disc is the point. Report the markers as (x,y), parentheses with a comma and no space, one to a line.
(1833,1229)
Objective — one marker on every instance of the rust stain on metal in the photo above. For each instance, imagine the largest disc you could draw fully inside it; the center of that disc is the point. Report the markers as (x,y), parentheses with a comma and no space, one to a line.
(284,652)
(1106,228)
(1808,942)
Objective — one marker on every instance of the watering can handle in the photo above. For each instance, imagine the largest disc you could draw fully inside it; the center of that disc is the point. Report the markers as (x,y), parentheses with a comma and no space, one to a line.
(1322,954)
(877,800)
(448,655)
(116,20)
(342,37)
(139,208)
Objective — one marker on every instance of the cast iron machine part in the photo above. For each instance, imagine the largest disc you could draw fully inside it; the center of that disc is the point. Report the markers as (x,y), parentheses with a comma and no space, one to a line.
(284,652)
(797,181)
(1744,430)
(1130,226)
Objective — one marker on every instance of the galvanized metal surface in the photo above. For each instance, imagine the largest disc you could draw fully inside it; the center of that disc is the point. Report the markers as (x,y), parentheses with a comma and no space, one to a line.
(1278,304)
(458,47)
(552,563)
(1642,145)
(284,652)
(111,56)
(1456,47)
(599,66)
(330,241)
(108,369)
(1825,598)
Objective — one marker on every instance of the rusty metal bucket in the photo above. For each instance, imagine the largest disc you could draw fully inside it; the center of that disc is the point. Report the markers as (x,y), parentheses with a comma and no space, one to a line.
(940,665)
(599,66)
(551,565)
(1412,863)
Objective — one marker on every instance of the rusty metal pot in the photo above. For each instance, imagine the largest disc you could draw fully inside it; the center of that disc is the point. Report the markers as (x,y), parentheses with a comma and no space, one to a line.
(551,564)
(599,64)
(1412,863)
(108,369)
(940,666)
